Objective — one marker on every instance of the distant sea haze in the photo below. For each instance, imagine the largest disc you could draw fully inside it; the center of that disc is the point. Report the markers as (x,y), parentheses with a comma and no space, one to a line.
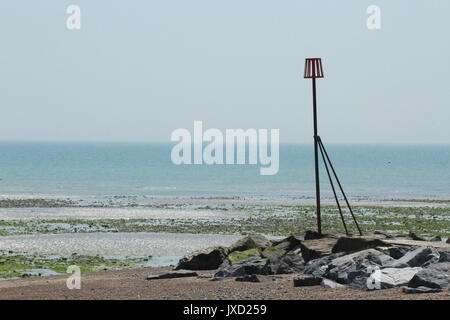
(110,169)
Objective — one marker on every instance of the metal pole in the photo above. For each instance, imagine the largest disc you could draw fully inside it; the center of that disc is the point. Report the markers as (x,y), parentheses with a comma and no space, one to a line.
(332,187)
(340,186)
(316,158)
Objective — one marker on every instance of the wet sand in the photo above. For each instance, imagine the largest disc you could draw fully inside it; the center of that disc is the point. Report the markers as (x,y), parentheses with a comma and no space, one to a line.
(115,244)
(131,284)
(112,213)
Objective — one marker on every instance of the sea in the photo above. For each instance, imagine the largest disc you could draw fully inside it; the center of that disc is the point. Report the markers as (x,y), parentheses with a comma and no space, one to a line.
(32,169)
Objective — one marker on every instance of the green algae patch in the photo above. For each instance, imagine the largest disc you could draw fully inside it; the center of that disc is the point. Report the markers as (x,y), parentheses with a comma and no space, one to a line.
(270,252)
(241,255)
(21,265)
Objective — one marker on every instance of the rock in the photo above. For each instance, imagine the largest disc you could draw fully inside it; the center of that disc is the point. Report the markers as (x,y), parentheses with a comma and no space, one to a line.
(435,276)
(239,268)
(413,236)
(254,241)
(354,269)
(349,244)
(240,264)
(312,235)
(273,252)
(289,243)
(420,257)
(420,290)
(255,278)
(172,275)
(238,255)
(436,239)
(448,240)
(330,284)
(313,249)
(289,263)
(414,243)
(444,255)
(391,277)
(397,252)
(319,266)
(307,281)
(373,256)
(207,259)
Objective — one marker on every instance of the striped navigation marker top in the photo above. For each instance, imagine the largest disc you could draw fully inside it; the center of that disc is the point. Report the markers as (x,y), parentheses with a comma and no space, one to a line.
(313,68)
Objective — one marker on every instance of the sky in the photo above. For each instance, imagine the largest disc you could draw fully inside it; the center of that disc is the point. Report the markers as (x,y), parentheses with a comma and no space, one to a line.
(137,70)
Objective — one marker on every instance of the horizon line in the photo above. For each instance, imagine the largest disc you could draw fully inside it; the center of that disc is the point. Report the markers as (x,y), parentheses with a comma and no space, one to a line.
(171,142)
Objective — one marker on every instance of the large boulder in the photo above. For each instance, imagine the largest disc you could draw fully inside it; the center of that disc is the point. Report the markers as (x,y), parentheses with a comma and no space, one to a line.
(436,276)
(354,269)
(307,281)
(273,252)
(239,268)
(372,256)
(397,252)
(270,261)
(237,256)
(350,244)
(318,267)
(420,257)
(207,259)
(290,243)
(313,249)
(289,263)
(391,277)
(253,241)
(444,254)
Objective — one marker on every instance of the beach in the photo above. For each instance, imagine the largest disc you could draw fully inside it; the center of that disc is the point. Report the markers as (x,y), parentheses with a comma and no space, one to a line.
(131,284)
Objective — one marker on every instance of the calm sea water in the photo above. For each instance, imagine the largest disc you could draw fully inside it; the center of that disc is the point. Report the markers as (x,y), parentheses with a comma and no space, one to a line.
(110,169)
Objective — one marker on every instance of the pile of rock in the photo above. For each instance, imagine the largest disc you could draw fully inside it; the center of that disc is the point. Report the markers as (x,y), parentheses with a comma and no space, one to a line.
(369,262)
(252,255)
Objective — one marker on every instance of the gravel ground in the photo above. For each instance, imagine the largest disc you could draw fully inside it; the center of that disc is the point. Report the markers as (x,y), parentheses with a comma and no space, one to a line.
(131,284)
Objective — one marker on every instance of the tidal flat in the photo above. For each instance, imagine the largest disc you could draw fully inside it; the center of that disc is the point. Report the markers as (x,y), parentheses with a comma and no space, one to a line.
(40,236)
(221,216)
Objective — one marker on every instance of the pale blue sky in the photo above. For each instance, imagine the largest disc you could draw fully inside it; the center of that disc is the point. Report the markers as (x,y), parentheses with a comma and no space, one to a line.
(139,69)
